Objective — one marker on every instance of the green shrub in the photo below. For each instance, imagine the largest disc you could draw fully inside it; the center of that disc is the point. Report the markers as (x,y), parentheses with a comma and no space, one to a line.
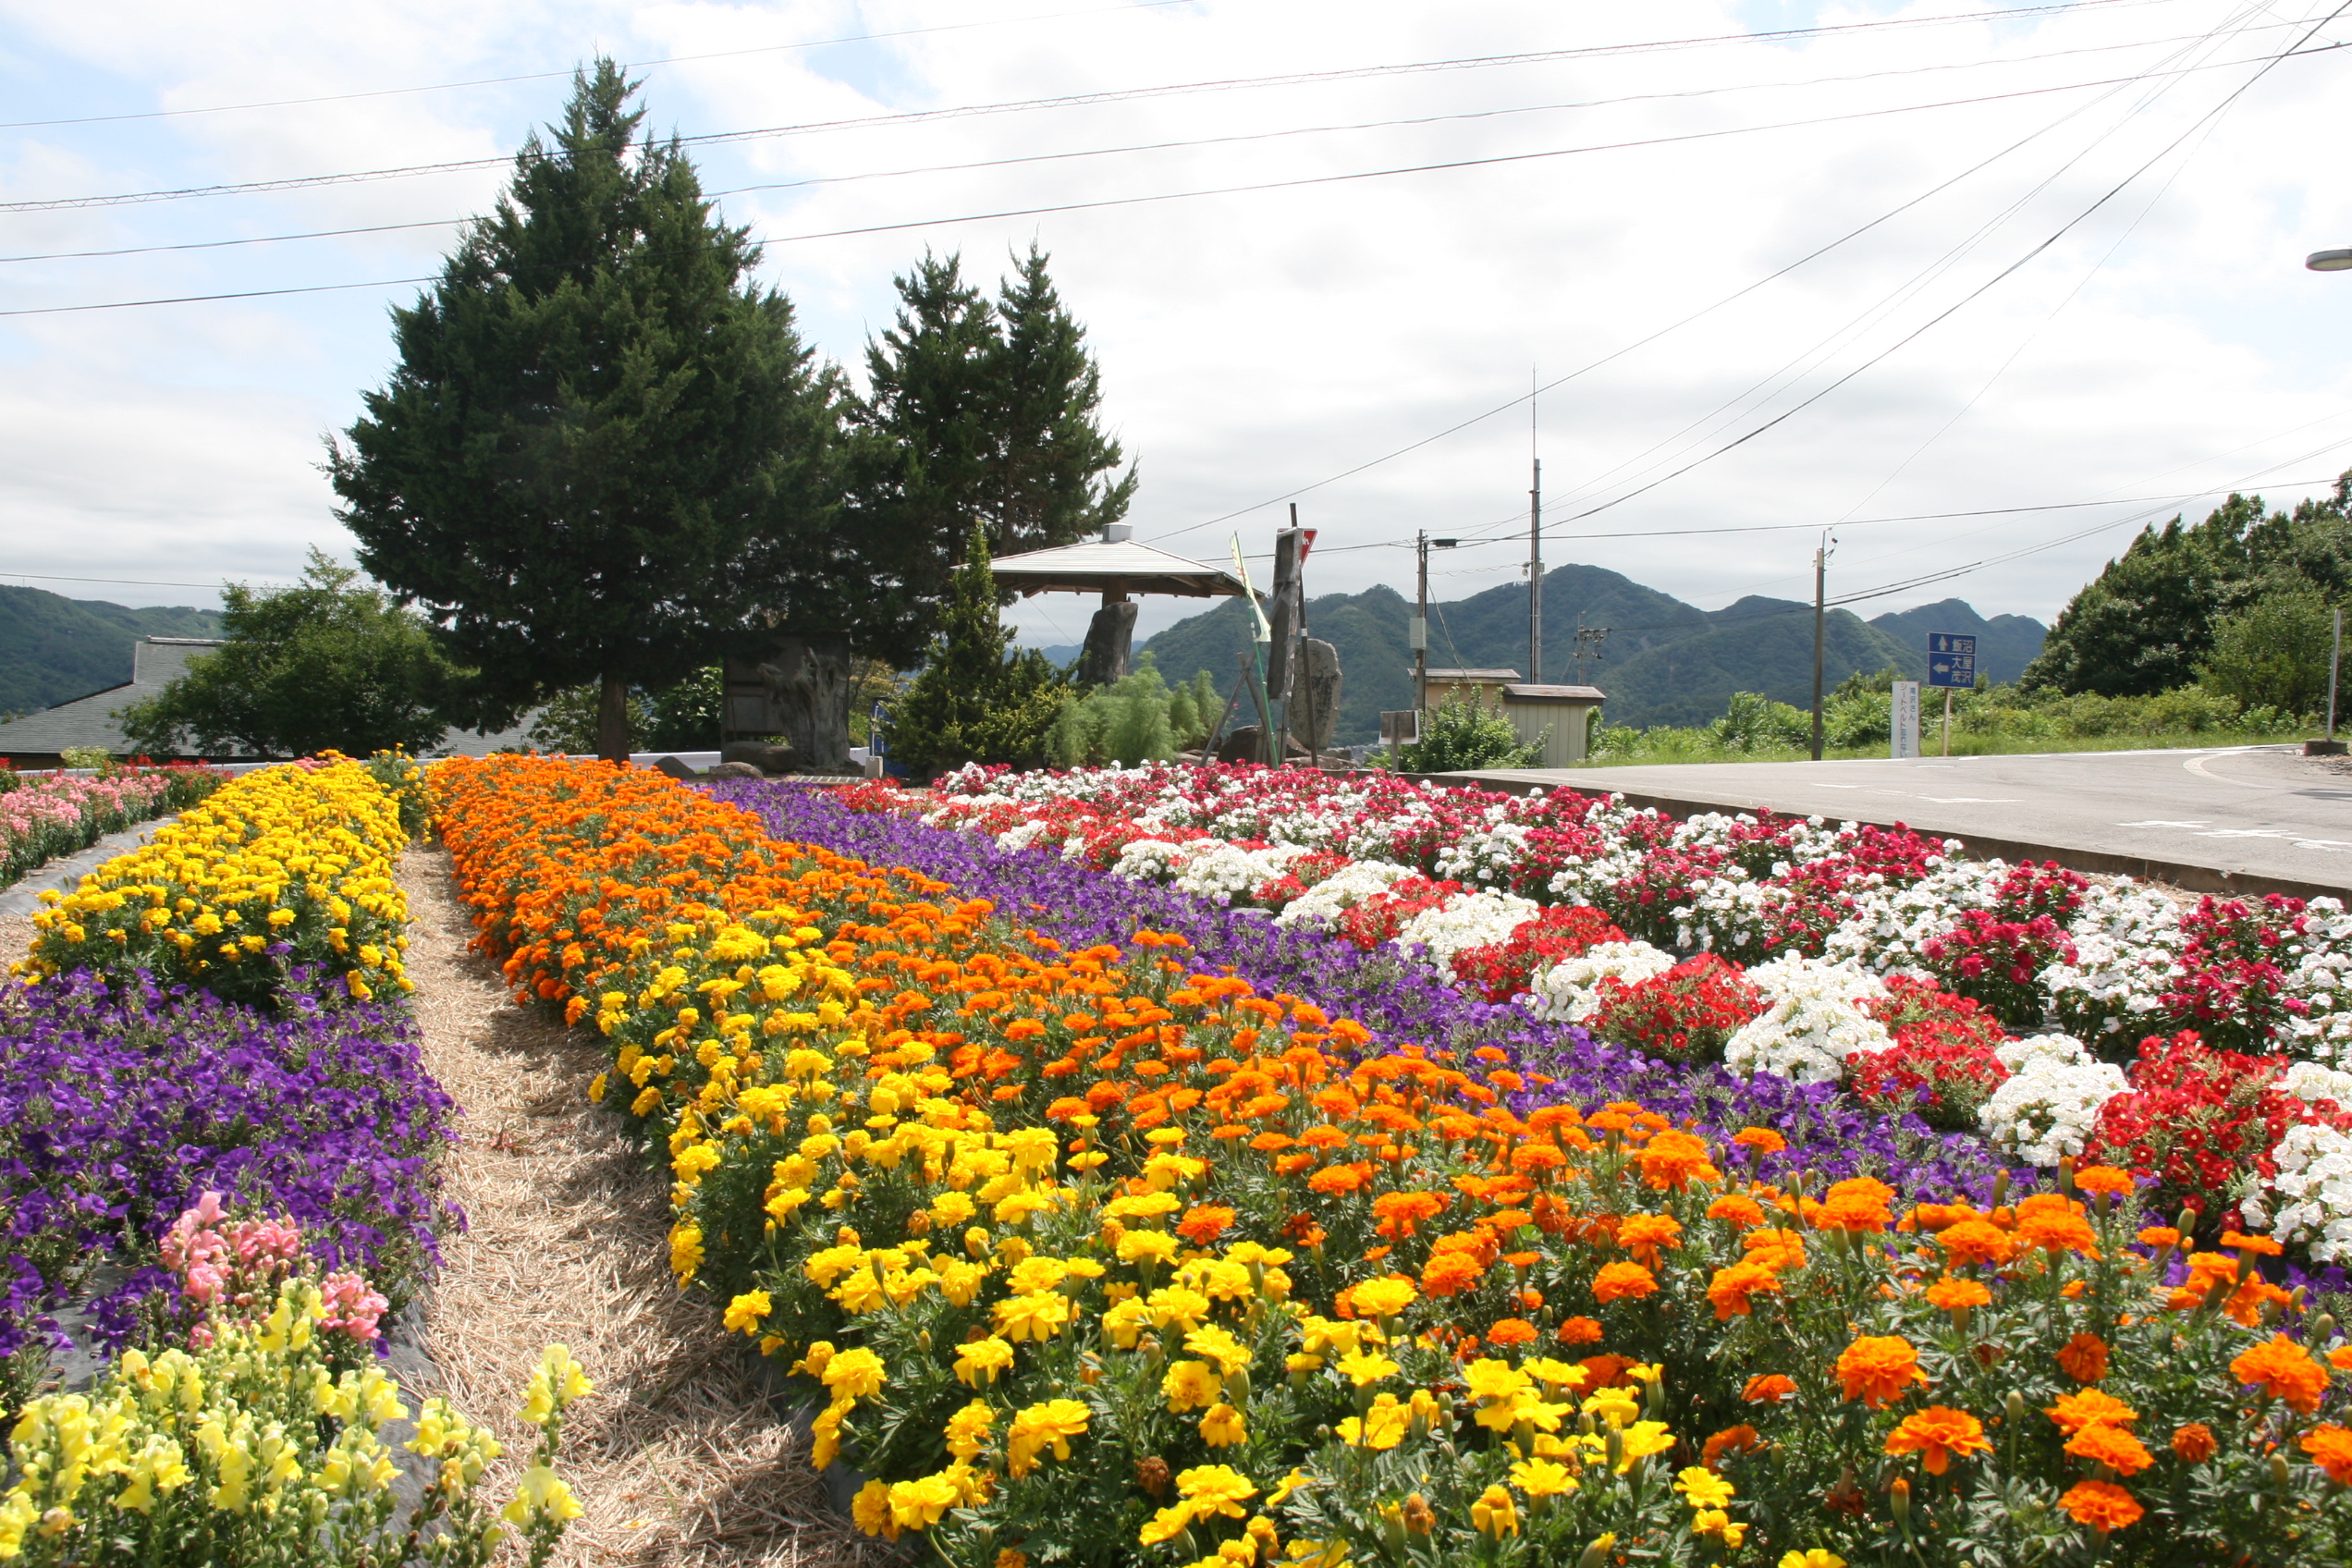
(1136,719)
(1461,735)
(2273,653)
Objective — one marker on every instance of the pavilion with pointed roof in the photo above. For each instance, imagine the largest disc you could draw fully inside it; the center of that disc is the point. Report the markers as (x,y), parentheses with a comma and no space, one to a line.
(1118,566)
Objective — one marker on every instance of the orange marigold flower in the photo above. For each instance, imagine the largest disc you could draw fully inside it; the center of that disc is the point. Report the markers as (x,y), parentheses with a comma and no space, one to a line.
(2055,1224)
(1938,1435)
(2089,1407)
(1642,1235)
(1741,1439)
(1675,1160)
(1618,1281)
(1398,1213)
(1513,1331)
(2102,1505)
(2262,1246)
(1202,1225)
(1732,1287)
(1763,1140)
(2104,1178)
(1776,1250)
(2110,1446)
(1741,1211)
(2160,1236)
(2330,1447)
(1858,1204)
(2195,1443)
(1452,1272)
(1958,1296)
(2084,1358)
(1580,1331)
(1976,1241)
(1605,1371)
(1770,1388)
(2283,1370)
(1340,1179)
(2340,1358)
(1879,1368)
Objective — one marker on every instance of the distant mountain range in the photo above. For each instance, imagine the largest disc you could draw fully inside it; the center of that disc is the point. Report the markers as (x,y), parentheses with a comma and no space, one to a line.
(1664,661)
(54,649)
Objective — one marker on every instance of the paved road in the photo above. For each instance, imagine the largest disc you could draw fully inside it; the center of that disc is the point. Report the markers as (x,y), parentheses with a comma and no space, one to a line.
(2256,818)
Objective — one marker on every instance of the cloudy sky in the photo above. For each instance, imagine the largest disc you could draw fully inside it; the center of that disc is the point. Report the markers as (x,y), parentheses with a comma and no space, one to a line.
(1970,256)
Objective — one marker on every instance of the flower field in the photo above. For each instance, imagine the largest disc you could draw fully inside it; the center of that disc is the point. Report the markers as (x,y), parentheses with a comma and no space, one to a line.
(218,1146)
(1107,1224)
(42,818)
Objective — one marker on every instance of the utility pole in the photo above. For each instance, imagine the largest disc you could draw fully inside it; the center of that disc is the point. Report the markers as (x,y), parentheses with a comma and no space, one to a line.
(1419,632)
(1534,544)
(1820,616)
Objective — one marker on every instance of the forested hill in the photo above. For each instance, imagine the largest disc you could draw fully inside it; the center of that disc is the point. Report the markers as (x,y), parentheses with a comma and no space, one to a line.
(54,649)
(1664,662)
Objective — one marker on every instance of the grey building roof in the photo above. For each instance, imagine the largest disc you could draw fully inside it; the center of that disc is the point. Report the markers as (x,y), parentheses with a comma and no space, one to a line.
(1119,565)
(89,722)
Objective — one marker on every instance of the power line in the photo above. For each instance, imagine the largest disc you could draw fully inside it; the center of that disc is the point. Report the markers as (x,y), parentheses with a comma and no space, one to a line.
(549,76)
(1463,115)
(1074,100)
(1447,166)
(1977,292)
(1641,342)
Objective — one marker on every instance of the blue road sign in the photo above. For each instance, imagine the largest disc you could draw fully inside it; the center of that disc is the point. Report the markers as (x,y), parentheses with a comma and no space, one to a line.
(877,725)
(1951,660)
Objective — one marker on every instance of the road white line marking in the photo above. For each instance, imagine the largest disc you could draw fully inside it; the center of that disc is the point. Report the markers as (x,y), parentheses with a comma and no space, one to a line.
(2196,765)
(2160,822)
(1972,799)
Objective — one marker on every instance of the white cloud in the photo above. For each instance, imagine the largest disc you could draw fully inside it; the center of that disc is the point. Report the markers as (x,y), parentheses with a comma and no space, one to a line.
(1255,343)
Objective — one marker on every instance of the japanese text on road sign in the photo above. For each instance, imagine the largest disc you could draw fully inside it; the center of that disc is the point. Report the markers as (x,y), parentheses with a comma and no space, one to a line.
(1951,660)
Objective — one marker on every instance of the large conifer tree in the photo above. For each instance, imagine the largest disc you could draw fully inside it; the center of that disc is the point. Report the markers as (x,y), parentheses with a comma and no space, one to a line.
(596,423)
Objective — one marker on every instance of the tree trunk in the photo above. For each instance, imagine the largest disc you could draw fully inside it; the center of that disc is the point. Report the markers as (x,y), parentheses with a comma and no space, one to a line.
(808,681)
(612,720)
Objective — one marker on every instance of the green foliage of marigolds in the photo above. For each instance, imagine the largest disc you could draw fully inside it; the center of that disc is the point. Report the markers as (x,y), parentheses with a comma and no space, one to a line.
(1136,719)
(595,416)
(975,700)
(1458,735)
(325,665)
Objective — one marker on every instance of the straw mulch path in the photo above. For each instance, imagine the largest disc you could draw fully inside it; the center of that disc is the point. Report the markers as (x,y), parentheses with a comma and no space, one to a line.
(675,1457)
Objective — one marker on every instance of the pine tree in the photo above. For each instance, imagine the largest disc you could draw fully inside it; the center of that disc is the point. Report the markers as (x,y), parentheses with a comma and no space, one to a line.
(595,424)
(976,413)
(975,700)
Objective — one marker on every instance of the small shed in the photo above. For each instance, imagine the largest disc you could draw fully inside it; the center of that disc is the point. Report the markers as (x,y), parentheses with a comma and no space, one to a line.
(1560,717)
(1481,688)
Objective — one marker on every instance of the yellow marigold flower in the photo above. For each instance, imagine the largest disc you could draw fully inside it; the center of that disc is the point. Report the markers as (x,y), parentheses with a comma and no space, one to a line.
(1230,1354)
(917,1504)
(1644,1438)
(1191,1385)
(1138,1247)
(979,1361)
(1037,1316)
(1495,1514)
(1365,1367)
(1385,1297)
(968,1429)
(1222,1427)
(1051,1424)
(746,1311)
(1215,1489)
(1701,1488)
(870,1510)
(854,1373)
(1813,1557)
(1382,1427)
(1542,1477)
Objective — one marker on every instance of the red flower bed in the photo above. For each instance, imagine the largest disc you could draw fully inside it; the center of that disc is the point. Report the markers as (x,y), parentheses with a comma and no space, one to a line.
(1684,1015)
(1942,1064)
(2232,988)
(1500,971)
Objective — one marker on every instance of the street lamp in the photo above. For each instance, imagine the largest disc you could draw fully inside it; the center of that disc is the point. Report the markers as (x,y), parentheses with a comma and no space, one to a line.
(2329,261)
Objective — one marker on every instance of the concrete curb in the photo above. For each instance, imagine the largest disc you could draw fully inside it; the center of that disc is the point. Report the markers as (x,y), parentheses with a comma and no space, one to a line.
(2186,875)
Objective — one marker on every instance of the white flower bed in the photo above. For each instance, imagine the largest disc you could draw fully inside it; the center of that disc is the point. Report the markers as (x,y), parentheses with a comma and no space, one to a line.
(2311,1198)
(1814,1019)
(1467,923)
(1567,991)
(2053,1096)
(1328,900)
